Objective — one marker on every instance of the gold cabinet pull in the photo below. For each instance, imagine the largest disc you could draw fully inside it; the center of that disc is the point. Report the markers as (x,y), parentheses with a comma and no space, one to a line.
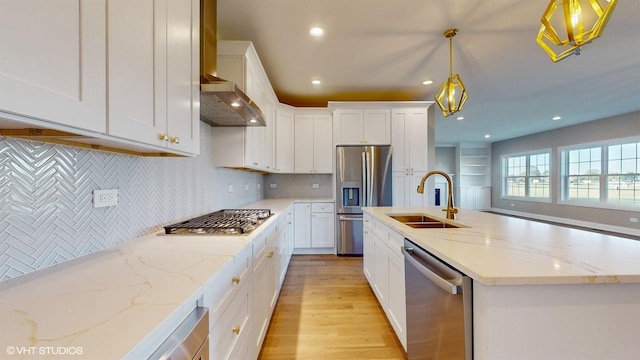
(175,140)
(164,137)
(270,254)
(236,280)
(236,330)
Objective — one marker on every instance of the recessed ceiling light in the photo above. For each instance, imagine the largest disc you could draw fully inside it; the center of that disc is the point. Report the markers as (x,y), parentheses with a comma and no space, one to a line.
(487,136)
(427,82)
(253,121)
(235,104)
(316,82)
(460,118)
(316,32)
(556,118)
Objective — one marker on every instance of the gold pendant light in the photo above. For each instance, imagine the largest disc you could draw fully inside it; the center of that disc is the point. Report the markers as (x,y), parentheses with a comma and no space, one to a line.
(451,94)
(582,20)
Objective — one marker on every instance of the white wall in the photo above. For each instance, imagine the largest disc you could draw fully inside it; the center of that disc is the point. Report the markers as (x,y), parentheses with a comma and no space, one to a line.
(46,211)
(622,126)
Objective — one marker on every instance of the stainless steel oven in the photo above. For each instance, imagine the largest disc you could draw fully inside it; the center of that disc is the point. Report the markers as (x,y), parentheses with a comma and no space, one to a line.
(189,341)
(439,308)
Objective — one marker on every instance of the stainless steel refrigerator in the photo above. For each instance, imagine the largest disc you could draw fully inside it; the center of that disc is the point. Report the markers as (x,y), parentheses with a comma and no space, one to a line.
(363,178)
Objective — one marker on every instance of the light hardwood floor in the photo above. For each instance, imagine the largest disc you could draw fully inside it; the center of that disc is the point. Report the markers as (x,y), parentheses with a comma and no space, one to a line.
(327,310)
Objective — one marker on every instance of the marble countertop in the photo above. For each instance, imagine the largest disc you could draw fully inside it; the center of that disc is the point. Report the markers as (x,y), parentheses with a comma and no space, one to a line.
(105,304)
(502,250)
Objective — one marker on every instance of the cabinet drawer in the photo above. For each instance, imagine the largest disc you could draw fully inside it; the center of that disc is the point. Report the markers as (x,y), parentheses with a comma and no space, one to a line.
(322,207)
(260,244)
(234,326)
(225,285)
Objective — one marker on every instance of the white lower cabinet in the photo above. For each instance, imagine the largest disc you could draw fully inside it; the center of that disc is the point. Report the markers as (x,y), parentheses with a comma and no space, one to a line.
(228,296)
(241,298)
(475,197)
(384,269)
(314,224)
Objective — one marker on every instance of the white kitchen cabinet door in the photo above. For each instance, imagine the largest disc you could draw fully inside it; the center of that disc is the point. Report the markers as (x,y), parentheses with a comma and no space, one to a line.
(54,61)
(302,225)
(405,186)
(284,141)
(313,144)
(323,144)
(322,230)
(348,126)
(362,126)
(153,92)
(376,127)
(368,257)
(410,139)
(380,271)
(397,307)
(304,149)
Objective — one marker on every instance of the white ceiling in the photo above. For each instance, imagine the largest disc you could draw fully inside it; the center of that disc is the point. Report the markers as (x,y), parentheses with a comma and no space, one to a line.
(383,50)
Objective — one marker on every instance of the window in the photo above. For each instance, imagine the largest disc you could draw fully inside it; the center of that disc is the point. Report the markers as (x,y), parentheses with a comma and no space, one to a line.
(607,174)
(623,175)
(583,176)
(526,176)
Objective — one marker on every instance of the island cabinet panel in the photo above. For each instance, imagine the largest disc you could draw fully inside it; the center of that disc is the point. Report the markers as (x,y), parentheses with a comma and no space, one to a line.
(556,322)
(384,269)
(54,61)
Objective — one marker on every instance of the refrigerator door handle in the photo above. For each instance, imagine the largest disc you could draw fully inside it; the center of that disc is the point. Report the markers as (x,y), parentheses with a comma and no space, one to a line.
(369,192)
(364,180)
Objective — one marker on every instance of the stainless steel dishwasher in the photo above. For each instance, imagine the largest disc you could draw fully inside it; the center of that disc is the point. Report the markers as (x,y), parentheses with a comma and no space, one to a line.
(189,341)
(439,307)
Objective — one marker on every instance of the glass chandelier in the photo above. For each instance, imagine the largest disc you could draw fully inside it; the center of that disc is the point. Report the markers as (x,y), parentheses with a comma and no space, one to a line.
(451,94)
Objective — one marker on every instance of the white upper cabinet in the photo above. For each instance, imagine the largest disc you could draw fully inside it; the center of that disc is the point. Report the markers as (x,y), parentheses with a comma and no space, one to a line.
(53,61)
(362,126)
(125,77)
(284,140)
(410,139)
(153,72)
(413,147)
(313,144)
(247,147)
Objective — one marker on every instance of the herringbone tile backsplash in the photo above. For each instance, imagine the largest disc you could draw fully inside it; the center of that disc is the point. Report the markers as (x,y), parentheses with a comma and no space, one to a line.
(46,209)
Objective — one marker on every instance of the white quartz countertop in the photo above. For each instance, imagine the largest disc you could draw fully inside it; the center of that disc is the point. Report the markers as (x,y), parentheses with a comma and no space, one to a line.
(502,250)
(101,306)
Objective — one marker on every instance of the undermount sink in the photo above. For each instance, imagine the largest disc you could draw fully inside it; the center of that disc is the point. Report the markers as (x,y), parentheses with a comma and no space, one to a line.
(421,221)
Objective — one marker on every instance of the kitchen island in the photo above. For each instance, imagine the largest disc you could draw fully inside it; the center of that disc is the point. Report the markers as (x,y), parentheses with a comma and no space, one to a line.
(539,291)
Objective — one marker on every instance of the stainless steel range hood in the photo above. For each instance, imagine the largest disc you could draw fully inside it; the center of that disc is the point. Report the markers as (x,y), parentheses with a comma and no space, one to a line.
(222,103)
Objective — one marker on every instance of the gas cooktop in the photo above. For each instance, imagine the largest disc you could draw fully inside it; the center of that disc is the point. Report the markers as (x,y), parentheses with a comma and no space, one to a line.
(222,222)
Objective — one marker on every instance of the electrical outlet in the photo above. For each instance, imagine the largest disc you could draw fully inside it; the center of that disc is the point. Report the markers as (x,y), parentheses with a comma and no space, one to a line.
(246,187)
(230,188)
(258,185)
(273,186)
(633,219)
(315,186)
(104,198)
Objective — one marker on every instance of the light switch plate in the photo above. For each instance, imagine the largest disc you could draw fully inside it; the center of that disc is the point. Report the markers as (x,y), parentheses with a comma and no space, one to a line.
(315,186)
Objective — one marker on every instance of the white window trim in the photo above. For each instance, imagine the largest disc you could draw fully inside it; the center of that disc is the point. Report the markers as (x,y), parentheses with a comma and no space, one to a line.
(503,158)
(602,203)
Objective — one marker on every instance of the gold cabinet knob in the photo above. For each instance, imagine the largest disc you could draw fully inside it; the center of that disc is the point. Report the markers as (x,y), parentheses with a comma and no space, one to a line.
(164,137)
(236,280)
(236,330)
(270,254)
(175,140)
